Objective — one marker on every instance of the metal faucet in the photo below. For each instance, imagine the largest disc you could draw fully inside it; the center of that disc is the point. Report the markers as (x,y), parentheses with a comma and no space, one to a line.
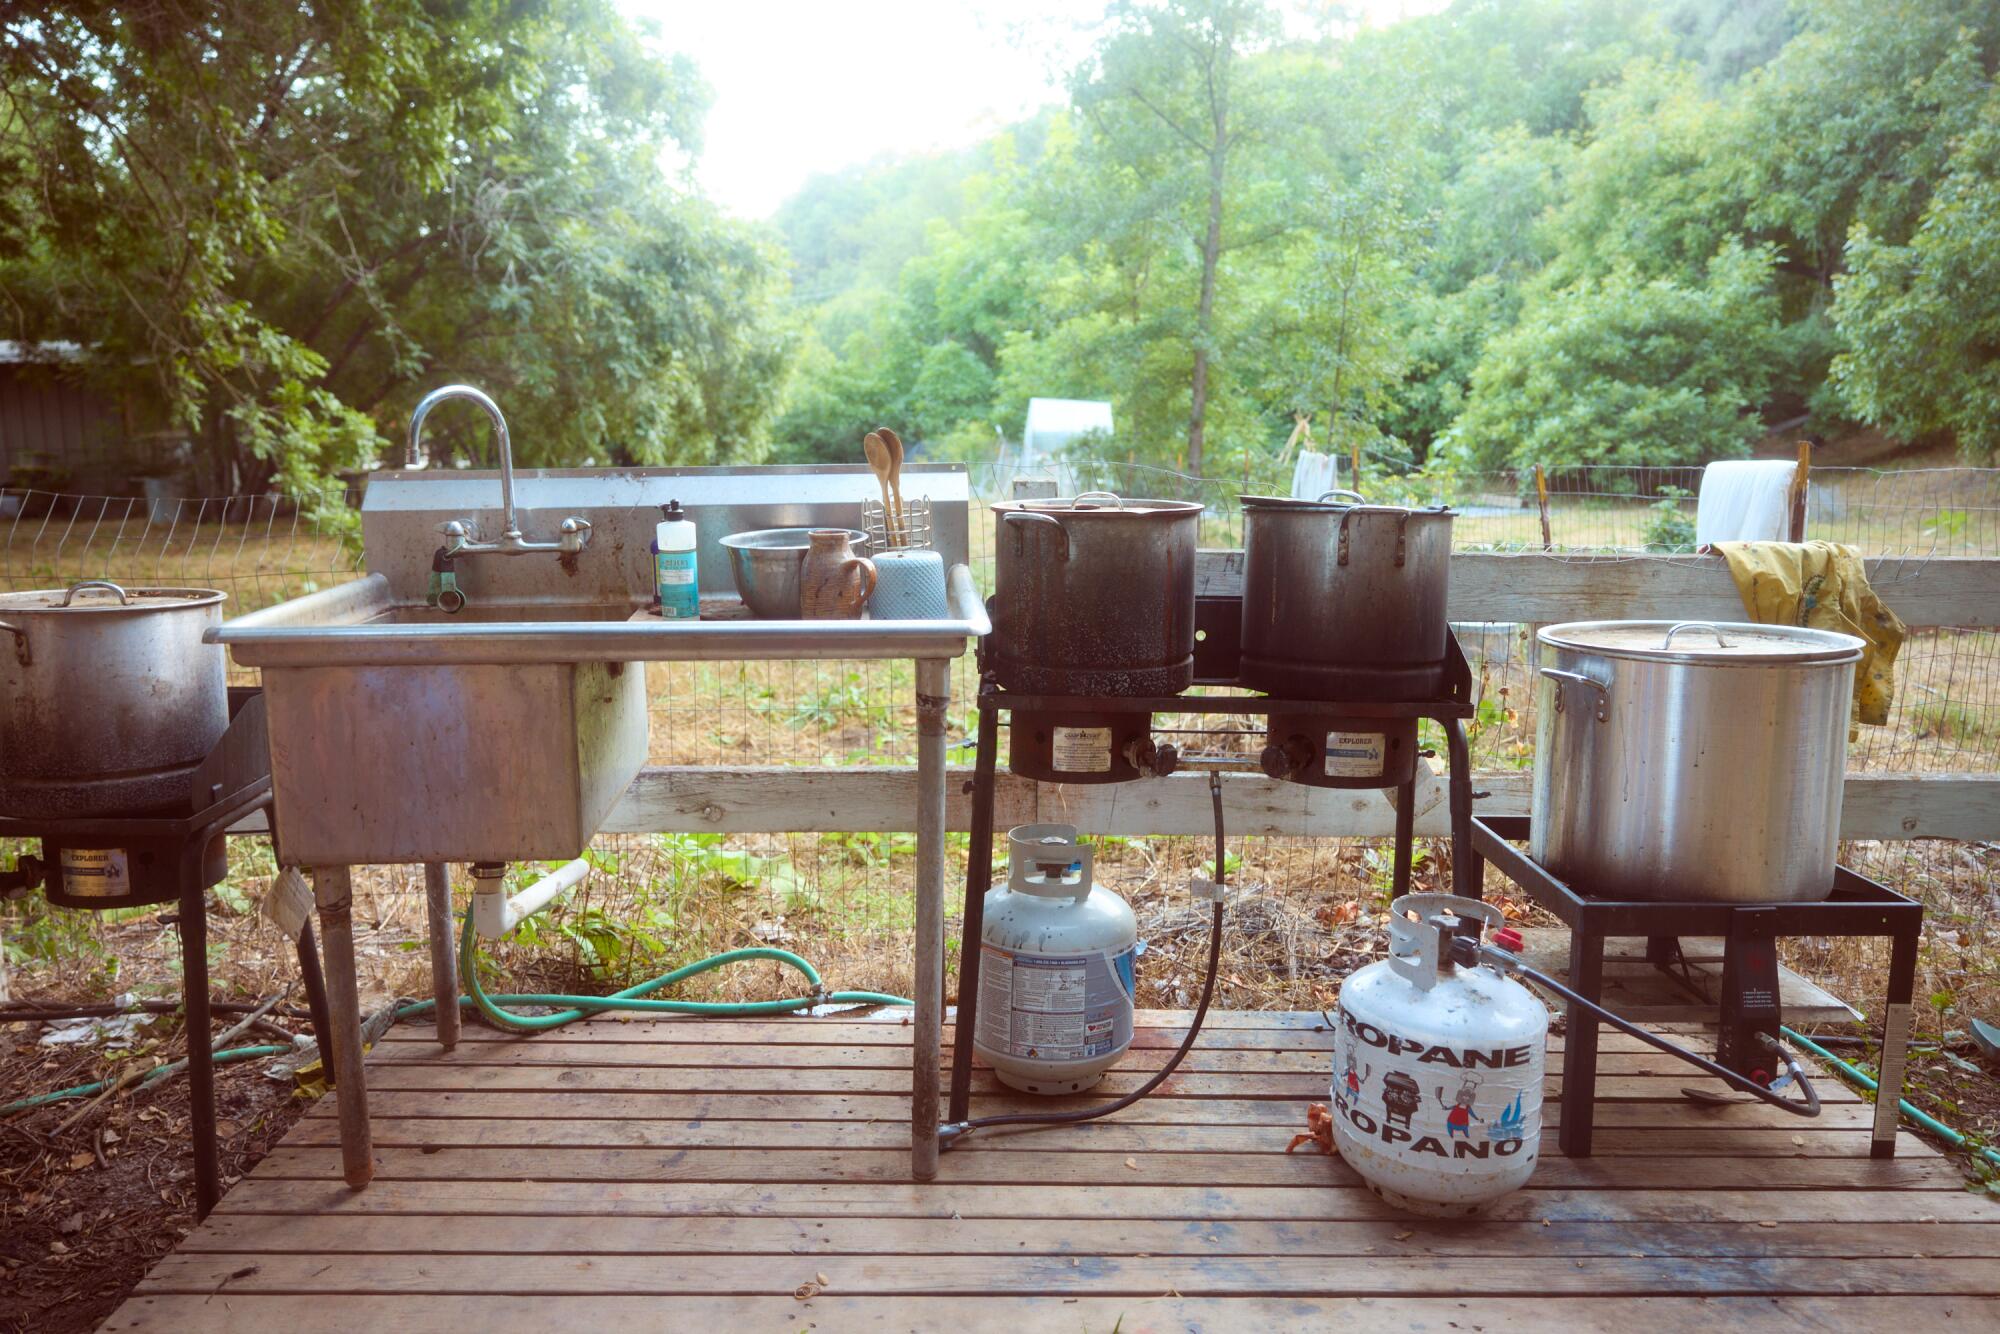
(458,536)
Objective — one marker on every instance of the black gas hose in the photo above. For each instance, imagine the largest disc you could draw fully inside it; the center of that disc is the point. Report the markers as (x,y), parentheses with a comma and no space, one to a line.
(1808,1105)
(952,1132)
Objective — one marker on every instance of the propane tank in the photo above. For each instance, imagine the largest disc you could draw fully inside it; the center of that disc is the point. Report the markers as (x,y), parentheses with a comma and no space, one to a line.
(1437,1074)
(1055,970)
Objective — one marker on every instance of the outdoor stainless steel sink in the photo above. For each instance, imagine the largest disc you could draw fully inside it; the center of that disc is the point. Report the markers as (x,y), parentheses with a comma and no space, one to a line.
(400,734)
(508,730)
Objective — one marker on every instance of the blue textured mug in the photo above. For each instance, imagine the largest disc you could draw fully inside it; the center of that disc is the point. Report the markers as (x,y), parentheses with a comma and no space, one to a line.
(909,586)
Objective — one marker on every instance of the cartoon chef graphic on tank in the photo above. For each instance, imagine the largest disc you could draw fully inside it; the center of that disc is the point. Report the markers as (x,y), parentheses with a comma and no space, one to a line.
(1458,1114)
(1400,1098)
(1352,1079)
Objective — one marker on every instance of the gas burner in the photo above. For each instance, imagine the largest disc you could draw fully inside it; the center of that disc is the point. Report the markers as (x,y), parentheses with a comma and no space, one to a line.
(1750,1008)
(157,856)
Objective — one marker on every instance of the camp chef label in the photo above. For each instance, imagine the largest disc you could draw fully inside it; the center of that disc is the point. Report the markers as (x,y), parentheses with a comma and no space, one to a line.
(96,873)
(1083,750)
(1355,754)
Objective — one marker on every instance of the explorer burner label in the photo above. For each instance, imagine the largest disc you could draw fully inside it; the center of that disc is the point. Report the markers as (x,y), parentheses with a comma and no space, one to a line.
(1355,754)
(96,873)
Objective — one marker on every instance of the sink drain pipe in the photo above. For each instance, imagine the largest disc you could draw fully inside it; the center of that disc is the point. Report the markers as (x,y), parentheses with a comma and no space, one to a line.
(494,914)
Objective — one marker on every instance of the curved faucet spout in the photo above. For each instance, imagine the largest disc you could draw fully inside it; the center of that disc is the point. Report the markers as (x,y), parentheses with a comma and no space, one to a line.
(466,391)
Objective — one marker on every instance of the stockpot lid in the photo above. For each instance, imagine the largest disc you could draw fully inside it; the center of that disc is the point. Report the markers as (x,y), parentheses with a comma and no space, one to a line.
(102,597)
(1326,504)
(1102,505)
(1733,643)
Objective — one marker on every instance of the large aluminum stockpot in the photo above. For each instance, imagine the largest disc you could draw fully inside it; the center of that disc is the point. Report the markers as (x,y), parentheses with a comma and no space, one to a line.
(1094,596)
(1343,600)
(108,697)
(1695,760)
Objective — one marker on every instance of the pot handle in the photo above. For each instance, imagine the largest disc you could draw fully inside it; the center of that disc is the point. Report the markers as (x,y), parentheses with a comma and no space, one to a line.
(1709,626)
(1018,517)
(1111,496)
(1562,678)
(124,598)
(20,644)
(1359,499)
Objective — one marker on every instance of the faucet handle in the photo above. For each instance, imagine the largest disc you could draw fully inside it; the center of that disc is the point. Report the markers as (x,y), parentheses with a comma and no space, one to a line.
(575,533)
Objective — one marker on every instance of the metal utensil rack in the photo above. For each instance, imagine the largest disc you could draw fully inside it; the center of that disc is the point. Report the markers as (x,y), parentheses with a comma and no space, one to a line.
(1217,651)
(1749,1002)
(237,779)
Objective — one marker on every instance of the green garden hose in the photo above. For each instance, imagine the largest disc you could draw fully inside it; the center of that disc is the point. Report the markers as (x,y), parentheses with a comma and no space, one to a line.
(85,1090)
(576,1007)
(632,997)
(1917,1114)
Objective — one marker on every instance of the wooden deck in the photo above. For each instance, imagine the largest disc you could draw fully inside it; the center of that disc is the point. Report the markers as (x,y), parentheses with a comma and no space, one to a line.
(690,1175)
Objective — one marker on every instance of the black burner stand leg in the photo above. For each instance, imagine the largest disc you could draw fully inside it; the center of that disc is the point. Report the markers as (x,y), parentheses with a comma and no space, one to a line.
(978,879)
(1579,1096)
(1468,871)
(201,1063)
(1896,1019)
(315,983)
(1406,824)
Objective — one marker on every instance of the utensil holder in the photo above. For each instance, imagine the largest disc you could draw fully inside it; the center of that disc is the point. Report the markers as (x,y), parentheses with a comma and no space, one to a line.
(915,534)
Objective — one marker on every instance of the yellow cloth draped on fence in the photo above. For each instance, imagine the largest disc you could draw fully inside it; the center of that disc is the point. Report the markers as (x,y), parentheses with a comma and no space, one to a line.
(1823,585)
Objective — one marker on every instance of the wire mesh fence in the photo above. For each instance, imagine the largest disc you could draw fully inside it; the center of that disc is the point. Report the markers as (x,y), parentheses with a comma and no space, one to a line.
(844,898)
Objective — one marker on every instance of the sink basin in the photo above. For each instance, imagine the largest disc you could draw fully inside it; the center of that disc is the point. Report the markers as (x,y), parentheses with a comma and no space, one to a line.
(402,734)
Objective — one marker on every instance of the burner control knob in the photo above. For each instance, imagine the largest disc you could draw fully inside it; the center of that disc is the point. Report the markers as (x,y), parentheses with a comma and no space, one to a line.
(1166,759)
(1507,938)
(1282,759)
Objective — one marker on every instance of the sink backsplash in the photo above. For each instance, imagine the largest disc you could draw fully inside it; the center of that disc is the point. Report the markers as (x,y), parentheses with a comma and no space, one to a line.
(401,513)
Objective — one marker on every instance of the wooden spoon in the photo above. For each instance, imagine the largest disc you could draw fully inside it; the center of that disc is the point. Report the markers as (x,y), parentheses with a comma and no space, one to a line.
(877,451)
(895,444)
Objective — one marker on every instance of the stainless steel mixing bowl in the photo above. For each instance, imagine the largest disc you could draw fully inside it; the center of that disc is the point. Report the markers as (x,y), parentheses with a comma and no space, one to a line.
(765,564)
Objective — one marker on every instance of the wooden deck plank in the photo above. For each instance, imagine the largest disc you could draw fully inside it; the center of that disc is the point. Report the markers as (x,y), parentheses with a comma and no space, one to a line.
(1059,1276)
(445,1234)
(530,1078)
(234,1312)
(588,1105)
(1108,1137)
(1211,1170)
(1327,1202)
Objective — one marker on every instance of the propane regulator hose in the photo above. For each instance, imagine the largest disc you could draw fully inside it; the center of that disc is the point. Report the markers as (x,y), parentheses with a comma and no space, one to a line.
(1805,1105)
(950,1134)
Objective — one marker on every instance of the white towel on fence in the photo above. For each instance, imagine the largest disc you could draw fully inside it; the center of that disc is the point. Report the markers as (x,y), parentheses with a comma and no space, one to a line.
(1745,501)
(1314,475)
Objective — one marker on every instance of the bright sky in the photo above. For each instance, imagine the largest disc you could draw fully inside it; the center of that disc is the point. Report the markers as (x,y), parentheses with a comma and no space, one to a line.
(806,86)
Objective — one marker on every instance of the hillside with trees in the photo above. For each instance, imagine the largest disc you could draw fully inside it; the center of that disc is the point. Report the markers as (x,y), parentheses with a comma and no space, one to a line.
(1515,231)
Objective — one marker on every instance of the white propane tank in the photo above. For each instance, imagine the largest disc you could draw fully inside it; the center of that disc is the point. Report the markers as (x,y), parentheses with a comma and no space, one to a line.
(1055,969)
(1437,1073)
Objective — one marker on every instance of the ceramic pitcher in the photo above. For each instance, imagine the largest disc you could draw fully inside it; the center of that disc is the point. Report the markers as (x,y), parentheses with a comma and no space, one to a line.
(834,583)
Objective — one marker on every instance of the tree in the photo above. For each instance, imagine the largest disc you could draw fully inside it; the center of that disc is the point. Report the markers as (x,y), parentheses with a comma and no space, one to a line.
(1170,113)
(284,222)
(1922,320)
(1627,371)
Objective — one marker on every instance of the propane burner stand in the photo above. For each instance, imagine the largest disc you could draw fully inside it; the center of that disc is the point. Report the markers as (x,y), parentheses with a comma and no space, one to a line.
(1749,1007)
(1132,714)
(162,857)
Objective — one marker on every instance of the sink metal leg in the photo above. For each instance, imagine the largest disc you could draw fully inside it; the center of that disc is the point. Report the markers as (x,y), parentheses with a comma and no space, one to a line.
(933,694)
(334,891)
(444,951)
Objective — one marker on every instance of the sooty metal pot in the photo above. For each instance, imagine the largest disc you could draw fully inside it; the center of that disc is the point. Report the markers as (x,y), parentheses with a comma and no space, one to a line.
(1094,596)
(108,697)
(1343,600)
(1692,761)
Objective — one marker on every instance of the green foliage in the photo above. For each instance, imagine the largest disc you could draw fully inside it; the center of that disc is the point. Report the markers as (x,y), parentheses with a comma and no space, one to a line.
(281,224)
(1922,319)
(1627,371)
(1671,529)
